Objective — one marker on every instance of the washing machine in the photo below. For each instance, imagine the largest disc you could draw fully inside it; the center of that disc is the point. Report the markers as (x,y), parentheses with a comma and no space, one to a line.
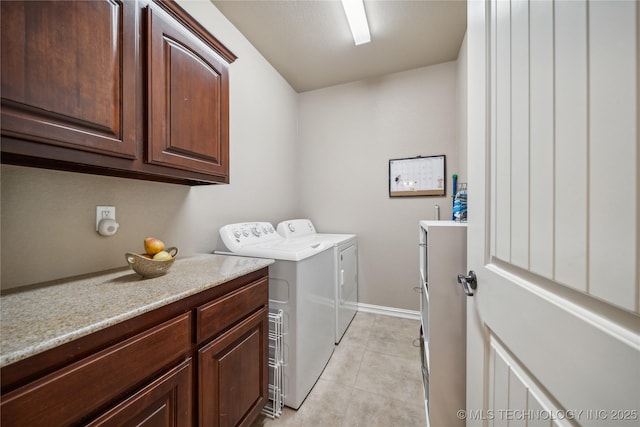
(301,285)
(345,267)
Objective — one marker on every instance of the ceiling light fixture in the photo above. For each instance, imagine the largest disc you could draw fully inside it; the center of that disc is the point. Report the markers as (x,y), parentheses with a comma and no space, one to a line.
(354,9)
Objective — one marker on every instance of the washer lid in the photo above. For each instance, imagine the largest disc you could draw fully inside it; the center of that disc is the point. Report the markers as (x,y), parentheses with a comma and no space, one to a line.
(283,253)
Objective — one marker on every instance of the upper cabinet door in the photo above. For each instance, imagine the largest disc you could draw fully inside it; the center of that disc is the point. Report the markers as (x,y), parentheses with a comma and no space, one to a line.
(188,99)
(68,74)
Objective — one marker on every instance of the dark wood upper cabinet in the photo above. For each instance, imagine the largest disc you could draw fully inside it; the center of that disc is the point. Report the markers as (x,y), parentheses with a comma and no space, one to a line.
(133,88)
(188,98)
(68,74)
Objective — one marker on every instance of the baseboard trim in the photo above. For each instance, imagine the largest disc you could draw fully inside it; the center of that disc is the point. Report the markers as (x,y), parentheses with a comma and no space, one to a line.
(389,311)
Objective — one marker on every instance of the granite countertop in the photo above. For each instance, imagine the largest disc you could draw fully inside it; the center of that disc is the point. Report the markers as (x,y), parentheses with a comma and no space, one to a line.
(38,318)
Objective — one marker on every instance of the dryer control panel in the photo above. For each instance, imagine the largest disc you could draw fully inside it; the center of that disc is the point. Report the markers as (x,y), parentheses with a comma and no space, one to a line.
(296,228)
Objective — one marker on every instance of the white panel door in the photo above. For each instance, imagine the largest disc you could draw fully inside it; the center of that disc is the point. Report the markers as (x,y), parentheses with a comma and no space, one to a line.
(553,236)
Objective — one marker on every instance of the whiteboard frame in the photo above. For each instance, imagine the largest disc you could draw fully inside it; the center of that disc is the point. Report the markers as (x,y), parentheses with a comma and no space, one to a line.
(424,162)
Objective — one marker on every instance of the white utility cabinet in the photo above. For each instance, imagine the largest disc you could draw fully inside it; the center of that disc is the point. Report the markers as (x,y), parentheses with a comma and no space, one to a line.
(443,255)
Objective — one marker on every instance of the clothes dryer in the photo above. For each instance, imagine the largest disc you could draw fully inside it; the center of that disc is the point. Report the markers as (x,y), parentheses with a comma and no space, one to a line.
(345,267)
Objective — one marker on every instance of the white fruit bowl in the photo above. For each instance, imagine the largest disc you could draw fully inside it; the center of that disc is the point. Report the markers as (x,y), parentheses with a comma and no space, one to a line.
(147,267)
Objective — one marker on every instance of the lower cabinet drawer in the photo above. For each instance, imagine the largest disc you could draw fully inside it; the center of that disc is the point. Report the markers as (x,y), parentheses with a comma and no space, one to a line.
(71,394)
(164,402)
(216,316)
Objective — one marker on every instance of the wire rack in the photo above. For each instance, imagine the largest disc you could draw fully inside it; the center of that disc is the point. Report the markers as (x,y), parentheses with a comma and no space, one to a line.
(274,406)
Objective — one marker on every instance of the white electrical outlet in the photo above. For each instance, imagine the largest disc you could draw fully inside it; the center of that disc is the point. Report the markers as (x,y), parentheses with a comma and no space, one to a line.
(105,212)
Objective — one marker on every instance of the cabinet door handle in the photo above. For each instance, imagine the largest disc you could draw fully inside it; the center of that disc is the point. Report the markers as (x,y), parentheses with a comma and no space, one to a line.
(468,282)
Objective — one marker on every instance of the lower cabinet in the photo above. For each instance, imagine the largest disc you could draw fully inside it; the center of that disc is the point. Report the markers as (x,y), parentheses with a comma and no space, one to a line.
(160,373)
(232,374)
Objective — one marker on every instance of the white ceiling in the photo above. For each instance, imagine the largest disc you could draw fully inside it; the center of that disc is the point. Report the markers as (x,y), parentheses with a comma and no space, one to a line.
(309,42)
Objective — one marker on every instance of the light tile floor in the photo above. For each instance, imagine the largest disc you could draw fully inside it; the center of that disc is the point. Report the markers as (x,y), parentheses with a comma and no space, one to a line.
(372,379)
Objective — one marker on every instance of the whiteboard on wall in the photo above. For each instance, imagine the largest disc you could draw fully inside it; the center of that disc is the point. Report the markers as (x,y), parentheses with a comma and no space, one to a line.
(417,176)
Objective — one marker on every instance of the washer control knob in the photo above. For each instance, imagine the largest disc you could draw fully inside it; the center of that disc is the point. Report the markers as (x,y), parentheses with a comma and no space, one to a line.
(291,227)
(256,231)
(237,233)
(245,232)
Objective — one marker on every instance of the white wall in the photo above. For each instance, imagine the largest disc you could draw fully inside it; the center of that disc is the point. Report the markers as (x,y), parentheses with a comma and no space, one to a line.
(48,217)
(348,133)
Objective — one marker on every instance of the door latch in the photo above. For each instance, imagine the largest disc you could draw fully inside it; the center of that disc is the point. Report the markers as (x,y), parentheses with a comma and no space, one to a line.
(468,282)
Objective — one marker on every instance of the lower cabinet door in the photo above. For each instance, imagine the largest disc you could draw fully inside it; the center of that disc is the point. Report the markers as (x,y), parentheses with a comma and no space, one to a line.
(233,374)
(163,402)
